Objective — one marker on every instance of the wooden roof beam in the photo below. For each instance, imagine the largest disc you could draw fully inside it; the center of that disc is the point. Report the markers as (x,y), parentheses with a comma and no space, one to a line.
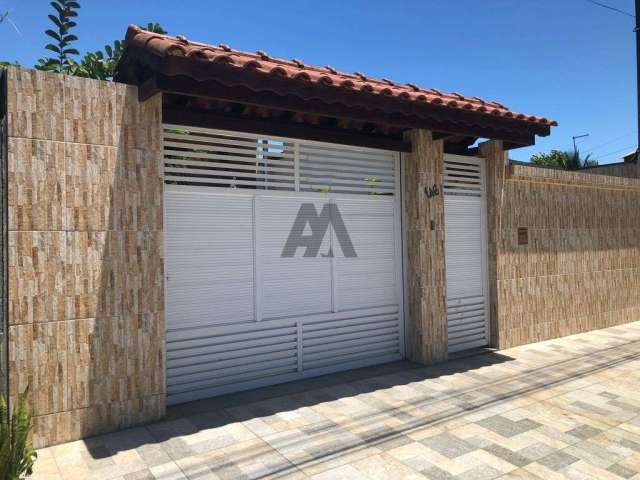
(443,123)
(279,128)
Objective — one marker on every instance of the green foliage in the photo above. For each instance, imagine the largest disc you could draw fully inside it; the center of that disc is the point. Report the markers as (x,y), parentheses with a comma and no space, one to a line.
(8,64)
(574,161)
(554,158)
(153,27)
(62,38)
(567,160)
(16,456)
(102,64)
(372,182)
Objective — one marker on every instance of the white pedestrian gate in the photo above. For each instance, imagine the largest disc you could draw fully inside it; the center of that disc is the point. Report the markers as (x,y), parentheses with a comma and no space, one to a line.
(241,312)
(465,252)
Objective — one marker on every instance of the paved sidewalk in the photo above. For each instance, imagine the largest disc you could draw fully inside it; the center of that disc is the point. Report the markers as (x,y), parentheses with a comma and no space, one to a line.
(567,408)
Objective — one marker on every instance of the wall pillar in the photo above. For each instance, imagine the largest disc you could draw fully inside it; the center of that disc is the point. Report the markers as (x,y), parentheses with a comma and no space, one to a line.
(424,217)
(4,375)
(496,172)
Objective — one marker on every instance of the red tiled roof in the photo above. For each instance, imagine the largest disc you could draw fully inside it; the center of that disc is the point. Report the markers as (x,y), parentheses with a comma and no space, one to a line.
(260,63)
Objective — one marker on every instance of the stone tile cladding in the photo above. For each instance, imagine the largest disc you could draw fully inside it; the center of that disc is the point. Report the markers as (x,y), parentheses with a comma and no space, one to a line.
(86,301)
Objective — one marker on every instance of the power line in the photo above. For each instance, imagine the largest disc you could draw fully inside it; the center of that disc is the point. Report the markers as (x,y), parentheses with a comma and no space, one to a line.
(625,149)
(620,150)
(609,7)
(609,142)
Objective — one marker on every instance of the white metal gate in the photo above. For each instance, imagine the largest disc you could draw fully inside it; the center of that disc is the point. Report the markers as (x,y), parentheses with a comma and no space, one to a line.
(466,252)
(239,315)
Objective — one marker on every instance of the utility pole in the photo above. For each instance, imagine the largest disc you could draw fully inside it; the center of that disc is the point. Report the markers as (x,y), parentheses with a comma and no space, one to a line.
(575,137)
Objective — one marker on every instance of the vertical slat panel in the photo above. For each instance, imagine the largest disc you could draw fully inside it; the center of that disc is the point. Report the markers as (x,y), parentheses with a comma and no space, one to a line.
(291,286)
(209,264)
(465,251)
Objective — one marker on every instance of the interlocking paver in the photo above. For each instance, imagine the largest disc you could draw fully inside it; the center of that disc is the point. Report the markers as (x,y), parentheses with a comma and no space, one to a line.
(557,460)
(144,474)
(536,451)
(448,445)
(584,432)
(507,455)
(563,409)
(508,428)
(621,471)
(435,473)
(482,472)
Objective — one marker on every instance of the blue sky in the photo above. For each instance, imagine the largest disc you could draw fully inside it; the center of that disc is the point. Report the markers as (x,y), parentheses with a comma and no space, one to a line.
(565,59)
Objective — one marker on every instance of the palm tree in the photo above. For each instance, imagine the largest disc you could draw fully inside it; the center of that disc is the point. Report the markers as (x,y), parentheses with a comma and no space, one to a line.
(573,160)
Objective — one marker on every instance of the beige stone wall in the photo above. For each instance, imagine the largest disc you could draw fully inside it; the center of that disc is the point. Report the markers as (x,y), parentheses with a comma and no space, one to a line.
(426,276)
(86,306)
(581,267)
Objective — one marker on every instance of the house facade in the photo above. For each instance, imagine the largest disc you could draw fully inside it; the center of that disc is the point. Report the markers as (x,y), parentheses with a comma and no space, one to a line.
(216,220)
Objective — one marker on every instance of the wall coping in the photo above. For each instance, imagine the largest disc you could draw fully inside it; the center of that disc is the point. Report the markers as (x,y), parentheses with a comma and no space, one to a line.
(532,173)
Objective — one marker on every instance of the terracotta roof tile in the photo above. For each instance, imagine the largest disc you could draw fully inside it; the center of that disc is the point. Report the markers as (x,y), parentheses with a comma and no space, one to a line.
(166,46)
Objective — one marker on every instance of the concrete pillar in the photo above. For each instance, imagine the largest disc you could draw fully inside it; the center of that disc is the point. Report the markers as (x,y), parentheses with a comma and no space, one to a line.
(424,217)
(496,172)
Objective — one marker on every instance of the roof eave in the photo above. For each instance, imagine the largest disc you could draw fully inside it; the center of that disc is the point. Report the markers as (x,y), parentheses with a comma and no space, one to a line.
(157,69)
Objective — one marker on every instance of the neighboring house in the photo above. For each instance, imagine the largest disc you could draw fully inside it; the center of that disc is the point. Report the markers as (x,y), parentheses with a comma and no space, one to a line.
(631,157)
(218,220)
(629,167)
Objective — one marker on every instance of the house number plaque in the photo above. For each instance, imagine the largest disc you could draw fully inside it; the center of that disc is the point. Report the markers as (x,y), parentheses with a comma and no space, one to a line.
(432,191)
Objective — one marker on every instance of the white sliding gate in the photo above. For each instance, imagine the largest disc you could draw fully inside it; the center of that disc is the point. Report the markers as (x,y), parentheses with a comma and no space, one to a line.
(466,252)
(241,312)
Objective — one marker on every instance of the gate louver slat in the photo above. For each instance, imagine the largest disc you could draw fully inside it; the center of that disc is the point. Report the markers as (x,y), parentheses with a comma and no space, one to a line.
(196,156)
(215,158)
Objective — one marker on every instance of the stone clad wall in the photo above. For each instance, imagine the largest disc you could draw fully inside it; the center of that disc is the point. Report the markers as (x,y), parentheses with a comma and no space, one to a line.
(86,306)
(580,270)
(85,268)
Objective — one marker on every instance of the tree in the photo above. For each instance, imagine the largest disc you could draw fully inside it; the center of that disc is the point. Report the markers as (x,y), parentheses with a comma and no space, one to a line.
(567,160)
(63,61)
(574,161)
(555,158)
(100,64)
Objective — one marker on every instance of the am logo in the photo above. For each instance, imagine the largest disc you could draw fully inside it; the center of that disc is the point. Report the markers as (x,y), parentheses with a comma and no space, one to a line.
(319,225)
